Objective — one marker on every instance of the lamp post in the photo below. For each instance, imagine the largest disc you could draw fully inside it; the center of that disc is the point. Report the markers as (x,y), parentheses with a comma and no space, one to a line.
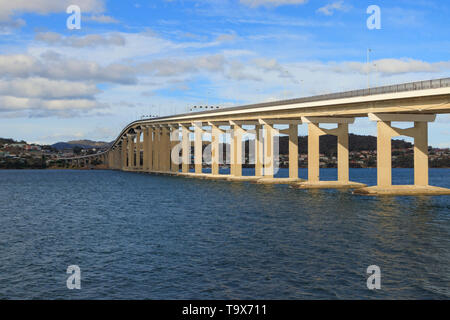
(368,67)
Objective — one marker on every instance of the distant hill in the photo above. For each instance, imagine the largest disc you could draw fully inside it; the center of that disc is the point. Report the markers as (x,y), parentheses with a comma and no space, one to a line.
(85,144)
(328,144)
(9,141)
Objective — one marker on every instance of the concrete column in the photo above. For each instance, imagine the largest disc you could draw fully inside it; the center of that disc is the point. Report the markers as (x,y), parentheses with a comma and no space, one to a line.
(130,151)
(133,152)
(118,158)
(174,150)
(110,161)
(342,153)
(162,150)
(232,151)
(157,149)
(268,151)
(166,149)
(384,153)
(215,145)
(124,153)
(186,149)
(259,149)
(293,151)
(113,163)
(421,153)
(167,154)
(313,152)
(385,133)
(145,147)
(150,148)
(236,160)
(138,149)
(198,147)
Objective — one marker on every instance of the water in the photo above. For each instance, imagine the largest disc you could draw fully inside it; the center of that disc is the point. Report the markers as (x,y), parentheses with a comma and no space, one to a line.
(137,236)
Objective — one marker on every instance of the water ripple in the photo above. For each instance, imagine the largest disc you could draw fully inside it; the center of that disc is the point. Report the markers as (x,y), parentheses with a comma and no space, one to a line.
(137,236)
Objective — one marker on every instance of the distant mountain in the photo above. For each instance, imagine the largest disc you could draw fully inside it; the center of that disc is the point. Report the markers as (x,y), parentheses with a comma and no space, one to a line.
(85,144)
(328,144)
(9,141)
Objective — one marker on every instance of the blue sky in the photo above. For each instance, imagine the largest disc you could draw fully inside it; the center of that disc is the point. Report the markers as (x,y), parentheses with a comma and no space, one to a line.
(133,58)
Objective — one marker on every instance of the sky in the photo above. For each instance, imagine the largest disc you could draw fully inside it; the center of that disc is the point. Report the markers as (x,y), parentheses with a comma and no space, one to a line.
(161,57)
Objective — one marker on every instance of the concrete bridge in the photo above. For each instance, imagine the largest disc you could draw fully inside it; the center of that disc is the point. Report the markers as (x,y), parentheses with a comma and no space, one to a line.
(155,145)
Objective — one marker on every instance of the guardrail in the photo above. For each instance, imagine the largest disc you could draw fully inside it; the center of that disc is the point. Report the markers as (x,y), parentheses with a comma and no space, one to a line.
(412,86)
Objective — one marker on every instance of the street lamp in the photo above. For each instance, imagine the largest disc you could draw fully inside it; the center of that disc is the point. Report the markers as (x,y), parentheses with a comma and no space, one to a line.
(368,67)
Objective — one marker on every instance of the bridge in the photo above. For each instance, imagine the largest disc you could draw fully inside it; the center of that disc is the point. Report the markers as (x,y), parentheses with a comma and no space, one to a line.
(163,145)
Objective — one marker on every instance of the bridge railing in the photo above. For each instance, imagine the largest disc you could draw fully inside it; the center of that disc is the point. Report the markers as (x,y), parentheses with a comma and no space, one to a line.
(412,86)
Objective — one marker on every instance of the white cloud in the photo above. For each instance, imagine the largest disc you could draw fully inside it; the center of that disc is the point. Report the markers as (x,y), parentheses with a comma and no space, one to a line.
(47,89)
(237,71)
(394,66)
(8,9)
(274,3)
(101,19)
(138,45)
(7,27)
(14,103)
(330,8)
(53,66)
(272,65)
(92,40)
(173,67)
(226,37)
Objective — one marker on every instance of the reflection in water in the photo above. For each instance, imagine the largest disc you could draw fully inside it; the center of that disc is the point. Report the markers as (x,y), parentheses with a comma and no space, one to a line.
(156,237)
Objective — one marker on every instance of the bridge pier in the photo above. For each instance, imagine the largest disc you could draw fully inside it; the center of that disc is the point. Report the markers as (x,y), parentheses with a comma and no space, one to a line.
(272,151)
(112,163)
(145,137)
(198,147)
(124,153)
(118,157)
(268,151)
(157,151)
(314,133)
(419,132)
(215,145)
(216,152)
(138,149)
(174,150)
(259,150)
(236,150)
(151,148)
(185,149)
(293,151)
(163,149)
(130,151)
